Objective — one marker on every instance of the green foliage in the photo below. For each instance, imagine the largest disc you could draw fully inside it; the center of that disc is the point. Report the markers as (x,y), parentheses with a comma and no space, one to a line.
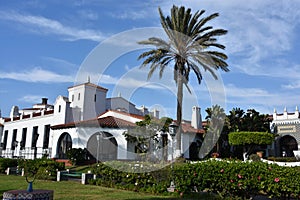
(77,156)
(254,157)
(146,131)
(244,138)
(153,182)
(40,168)
(7,162)
(227,178)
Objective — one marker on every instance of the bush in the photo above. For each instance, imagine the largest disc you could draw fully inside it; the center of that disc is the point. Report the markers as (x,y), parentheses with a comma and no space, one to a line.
(227,178)
(78,156)
(41,168)
(244,138)
(7,162)
(254,157)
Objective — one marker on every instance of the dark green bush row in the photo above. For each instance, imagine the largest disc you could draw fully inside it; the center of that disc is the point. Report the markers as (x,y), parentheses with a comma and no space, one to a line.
(42,168)
(226,178)
(7,162)
(122,176)
(239,178)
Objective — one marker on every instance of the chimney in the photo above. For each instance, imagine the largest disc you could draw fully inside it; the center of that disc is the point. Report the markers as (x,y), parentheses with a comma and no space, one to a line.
(44,101)
(196,118)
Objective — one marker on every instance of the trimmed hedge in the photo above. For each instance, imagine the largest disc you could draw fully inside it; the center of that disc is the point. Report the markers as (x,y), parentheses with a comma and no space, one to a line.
(226,178)
(7,162)
(243,138)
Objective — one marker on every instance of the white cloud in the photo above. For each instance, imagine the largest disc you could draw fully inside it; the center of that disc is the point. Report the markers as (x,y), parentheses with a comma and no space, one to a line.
(258,30)
(292,85)
(88,14)
(37,75)
(235,92)
(31,98)
(42,25)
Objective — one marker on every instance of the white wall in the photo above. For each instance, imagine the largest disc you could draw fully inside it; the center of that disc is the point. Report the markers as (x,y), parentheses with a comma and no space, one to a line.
(29,123)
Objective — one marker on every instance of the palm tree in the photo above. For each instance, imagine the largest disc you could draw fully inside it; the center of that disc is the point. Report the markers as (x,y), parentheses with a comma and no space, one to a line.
(187,48)
(235,118)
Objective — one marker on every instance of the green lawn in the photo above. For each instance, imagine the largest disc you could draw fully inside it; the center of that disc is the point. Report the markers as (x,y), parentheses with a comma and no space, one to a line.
(75,190)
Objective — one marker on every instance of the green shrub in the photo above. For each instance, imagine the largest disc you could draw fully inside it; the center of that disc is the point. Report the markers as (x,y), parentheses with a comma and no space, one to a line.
(228,178)
(7,162)
(254,157)
(41,168)
(244,138)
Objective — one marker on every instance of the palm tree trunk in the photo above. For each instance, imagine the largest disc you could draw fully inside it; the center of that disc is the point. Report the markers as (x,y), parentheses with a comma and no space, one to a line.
(179,110)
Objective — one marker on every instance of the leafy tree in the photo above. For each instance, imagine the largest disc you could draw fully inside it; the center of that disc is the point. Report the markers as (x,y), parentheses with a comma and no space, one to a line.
(78,155)
(235,119)
(189,45)
(250,140)
(146,131)
(254,121)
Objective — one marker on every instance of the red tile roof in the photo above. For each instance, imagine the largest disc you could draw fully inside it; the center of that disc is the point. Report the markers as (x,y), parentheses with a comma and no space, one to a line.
(111,122)
(187,128)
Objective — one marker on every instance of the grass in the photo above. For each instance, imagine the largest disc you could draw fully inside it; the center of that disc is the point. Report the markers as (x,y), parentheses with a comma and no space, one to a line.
(67,190)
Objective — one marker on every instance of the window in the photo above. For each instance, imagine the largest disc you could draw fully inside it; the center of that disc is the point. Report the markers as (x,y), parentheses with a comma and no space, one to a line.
(59,108)
(35,136)
(14,140)
(72,97)
(23,140)
(95,98)
(5,139)
(46,136)
(78,96)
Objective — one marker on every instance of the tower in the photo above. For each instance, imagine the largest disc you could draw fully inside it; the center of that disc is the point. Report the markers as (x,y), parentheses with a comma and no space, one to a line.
(196,118)
(87,100)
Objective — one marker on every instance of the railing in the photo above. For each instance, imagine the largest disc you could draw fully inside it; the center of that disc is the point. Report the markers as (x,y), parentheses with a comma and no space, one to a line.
(27,153)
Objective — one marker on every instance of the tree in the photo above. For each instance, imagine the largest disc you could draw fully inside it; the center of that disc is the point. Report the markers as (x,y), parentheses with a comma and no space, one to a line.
(235,119)
(215,123)
(249,140)
(188,47)
(146,132)
(254,121)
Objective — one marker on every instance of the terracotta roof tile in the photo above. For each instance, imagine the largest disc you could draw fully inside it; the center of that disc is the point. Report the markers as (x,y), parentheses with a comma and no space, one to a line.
(187,128)
(111,122)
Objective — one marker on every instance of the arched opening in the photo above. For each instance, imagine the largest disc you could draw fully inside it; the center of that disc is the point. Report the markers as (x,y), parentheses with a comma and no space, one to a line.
(63,145)
(288,144)
(103,146)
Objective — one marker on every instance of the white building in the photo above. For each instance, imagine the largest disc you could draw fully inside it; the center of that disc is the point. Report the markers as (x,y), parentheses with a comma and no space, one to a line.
(85,119)
(287,126)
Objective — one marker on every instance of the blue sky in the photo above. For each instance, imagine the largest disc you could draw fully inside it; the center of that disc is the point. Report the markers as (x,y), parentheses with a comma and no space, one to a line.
(45,44)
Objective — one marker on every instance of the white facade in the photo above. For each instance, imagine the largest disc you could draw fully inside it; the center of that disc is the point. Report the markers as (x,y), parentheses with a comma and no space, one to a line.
(287,126)
(85,119)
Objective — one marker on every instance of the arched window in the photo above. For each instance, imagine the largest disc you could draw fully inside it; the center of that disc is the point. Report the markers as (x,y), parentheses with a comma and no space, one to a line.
(103,146)
(63,145)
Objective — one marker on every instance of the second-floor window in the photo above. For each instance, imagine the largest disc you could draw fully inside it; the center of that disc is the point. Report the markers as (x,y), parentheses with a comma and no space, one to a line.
(5,140)
(23,140)
(46,136)
(14,139)
(35,136)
